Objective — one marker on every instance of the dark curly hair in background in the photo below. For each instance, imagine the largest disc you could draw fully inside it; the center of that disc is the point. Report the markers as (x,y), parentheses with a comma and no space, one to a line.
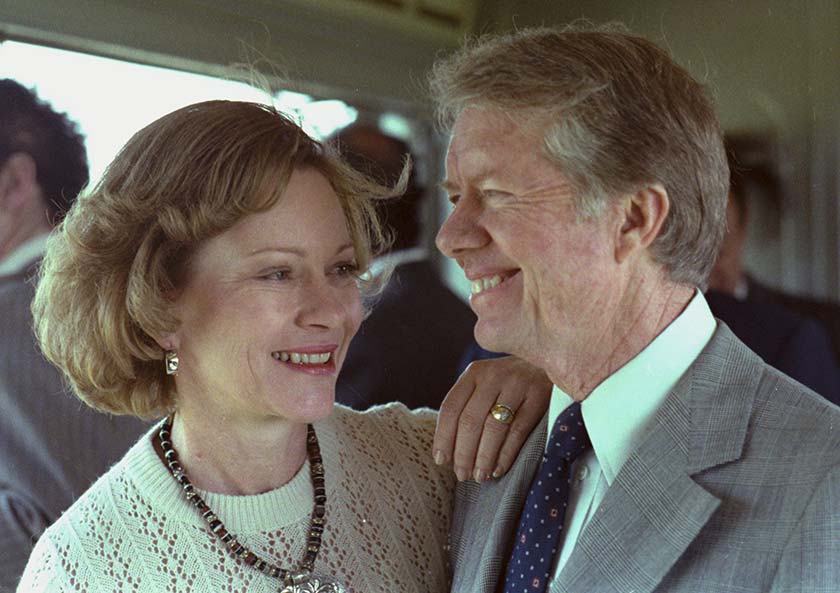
(53,140)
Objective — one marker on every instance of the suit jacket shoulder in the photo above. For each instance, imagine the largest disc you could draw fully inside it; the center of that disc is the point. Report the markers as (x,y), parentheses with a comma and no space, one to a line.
(485,519)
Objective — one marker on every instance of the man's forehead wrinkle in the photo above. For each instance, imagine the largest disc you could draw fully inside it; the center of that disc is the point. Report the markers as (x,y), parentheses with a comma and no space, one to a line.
(543,186)
(468,160)
(493,171)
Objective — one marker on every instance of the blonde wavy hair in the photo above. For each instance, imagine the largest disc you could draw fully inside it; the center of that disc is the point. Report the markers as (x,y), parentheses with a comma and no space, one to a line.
(114,262)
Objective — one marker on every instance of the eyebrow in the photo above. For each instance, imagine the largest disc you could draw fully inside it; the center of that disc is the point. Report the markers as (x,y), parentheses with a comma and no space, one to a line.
(480,177)
(447,185)
(297,251)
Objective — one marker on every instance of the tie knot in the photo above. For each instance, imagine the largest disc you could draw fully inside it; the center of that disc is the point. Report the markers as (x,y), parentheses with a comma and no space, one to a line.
(568,437)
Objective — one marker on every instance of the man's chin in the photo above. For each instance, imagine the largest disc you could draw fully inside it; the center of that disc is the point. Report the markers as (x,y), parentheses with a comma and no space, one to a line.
(492,339)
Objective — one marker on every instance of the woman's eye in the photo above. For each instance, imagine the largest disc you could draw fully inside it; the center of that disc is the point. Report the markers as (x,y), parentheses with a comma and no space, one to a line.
(347,269)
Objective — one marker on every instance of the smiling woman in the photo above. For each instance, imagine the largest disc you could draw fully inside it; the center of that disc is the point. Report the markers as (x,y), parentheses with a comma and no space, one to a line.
(213,277)
(186,188)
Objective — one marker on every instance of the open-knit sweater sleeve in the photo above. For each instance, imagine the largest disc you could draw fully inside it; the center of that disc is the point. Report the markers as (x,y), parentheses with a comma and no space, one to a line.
(388,512)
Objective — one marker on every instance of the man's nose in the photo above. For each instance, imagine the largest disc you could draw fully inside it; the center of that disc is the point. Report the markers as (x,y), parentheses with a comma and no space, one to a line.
(462,230)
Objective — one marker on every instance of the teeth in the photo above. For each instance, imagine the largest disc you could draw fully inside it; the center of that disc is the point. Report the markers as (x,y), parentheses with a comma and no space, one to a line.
(483,284)
(298,358)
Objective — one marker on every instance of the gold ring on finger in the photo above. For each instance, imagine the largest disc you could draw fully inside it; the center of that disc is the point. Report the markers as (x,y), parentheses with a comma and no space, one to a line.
(502,413)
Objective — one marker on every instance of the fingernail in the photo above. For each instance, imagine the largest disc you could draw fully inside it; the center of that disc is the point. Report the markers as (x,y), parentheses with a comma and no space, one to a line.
(461,474)
(439,457)
(498,472)
(479,475)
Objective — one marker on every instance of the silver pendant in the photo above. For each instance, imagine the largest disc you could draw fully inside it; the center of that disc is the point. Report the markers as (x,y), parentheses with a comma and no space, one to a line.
(314,585)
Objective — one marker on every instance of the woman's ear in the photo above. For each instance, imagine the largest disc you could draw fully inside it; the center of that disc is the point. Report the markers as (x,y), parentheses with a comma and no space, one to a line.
(643,214)
(169,341)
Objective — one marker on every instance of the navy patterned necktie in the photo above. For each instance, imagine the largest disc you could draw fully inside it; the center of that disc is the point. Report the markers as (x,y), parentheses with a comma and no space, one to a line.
(541,524)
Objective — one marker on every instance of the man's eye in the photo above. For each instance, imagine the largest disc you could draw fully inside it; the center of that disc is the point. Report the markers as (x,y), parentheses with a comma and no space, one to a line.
(453,199)
(493,193)
(277,275)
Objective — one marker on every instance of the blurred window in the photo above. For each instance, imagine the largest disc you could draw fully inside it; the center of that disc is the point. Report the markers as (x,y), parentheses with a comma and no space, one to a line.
(112,99)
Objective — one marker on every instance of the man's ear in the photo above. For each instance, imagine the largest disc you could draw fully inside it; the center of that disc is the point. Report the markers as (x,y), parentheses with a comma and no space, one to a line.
(19,182)
(642,215)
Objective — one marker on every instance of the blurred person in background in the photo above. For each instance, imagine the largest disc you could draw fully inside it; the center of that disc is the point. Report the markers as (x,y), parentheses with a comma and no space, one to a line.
(51,448)
(409,347)
(751,180)
(788,332)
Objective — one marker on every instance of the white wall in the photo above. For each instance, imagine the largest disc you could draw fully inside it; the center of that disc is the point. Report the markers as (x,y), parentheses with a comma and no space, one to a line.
(345,47)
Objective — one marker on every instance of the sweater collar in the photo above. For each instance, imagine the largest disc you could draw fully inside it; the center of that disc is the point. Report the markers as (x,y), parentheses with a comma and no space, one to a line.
(19,259)
(268,511)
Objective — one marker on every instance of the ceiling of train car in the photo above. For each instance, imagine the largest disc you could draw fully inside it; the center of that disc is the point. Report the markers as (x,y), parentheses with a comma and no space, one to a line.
(357,49)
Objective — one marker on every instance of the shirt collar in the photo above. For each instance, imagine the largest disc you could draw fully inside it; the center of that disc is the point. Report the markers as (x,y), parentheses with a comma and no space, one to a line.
(619,411)
(398,258)
(25,254)
(742,289)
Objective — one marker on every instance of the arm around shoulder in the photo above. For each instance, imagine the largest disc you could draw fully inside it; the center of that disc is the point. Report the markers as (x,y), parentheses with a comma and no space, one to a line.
(20,523)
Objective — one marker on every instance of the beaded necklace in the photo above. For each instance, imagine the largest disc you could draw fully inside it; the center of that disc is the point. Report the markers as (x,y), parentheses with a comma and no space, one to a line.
(298,580)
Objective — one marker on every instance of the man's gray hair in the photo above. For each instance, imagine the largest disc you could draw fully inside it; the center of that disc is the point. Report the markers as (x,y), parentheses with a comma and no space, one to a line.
(618,114)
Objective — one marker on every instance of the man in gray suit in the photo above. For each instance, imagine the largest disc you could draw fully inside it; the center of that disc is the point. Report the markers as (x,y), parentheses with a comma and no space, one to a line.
(589,185)
(52,447)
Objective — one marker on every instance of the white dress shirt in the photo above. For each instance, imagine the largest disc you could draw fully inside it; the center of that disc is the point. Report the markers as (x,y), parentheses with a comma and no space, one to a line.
(24,255)
(619,411)
(397,258)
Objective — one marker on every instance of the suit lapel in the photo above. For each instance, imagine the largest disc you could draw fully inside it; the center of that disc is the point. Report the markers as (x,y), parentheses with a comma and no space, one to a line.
(654,509)
(491,514)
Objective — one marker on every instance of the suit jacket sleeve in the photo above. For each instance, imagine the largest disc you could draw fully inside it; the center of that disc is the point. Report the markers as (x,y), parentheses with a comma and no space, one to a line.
(20,524)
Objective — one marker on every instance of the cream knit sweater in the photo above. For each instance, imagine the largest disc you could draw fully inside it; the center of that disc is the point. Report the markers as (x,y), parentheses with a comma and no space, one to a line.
(388,510)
